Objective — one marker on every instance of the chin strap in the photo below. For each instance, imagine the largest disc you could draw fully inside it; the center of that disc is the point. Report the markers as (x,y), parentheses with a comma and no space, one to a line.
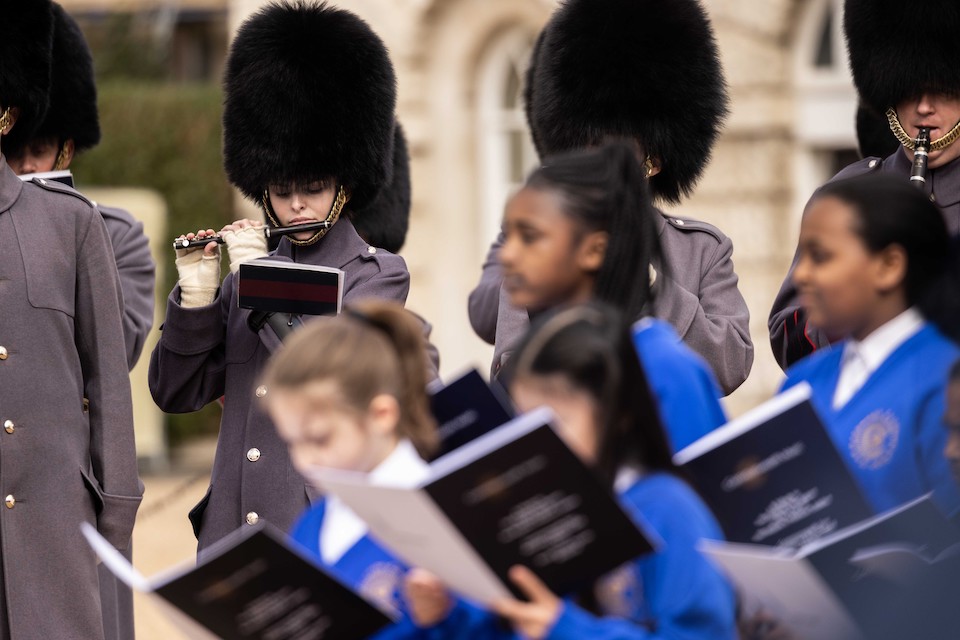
(911,144)
(5,119)
(332,216)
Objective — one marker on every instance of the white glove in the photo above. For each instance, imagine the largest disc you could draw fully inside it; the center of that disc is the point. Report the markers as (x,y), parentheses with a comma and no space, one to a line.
(244,245)
(199,277)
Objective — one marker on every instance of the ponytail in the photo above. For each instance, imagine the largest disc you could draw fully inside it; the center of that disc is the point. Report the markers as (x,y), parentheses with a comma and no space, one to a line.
(606,190)
(373,348)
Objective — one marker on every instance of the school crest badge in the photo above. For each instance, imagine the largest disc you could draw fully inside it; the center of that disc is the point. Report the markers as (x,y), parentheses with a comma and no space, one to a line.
(874,441)
(381,583)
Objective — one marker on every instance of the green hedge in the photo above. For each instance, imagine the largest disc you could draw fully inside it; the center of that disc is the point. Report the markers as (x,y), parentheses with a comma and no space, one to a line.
(165,137)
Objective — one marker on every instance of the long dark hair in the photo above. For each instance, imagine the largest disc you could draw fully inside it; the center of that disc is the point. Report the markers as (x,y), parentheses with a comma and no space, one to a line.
(605,189)
(590,346)
(890,211)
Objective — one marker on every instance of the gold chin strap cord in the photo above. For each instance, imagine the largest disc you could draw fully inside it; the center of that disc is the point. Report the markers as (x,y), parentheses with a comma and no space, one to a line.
(61,158)
(908,142)
(5,119)
(332,217)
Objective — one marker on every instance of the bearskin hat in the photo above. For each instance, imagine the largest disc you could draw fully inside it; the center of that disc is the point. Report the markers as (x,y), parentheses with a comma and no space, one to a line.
(899,50)
(642,69)
(874,138)
(26,33)
(73,91)
(309,92)
(384,222)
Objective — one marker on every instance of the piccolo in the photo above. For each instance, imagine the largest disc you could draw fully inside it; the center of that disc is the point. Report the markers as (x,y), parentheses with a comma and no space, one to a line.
(918,174)
(270,232)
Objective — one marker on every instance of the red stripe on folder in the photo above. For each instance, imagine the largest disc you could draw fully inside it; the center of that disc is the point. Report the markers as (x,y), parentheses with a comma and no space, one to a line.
(288,290)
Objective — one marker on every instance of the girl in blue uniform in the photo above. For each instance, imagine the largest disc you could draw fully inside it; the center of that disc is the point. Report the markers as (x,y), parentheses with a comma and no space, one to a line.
(349,393)
(875,269)
(581,364)
(583,227)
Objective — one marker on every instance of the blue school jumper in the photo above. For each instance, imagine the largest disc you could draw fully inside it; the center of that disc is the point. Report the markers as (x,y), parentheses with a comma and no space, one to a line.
(673,593)
(682,383)
(366,567)
(890,432)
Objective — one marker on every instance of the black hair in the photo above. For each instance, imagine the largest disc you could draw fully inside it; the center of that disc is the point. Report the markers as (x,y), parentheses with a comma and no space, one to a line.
(605,189)
(955,372)
(591,347)
(890,211)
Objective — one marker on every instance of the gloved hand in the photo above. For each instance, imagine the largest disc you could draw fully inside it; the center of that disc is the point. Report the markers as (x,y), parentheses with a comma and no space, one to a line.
(199,272)
(245,241)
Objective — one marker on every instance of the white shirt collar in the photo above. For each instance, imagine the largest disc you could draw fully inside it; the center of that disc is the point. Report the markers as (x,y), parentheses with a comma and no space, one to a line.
(341,527)
(878,346)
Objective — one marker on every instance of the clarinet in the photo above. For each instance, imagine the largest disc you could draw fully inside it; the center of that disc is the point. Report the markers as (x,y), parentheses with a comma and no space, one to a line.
(183,243)
(918,176)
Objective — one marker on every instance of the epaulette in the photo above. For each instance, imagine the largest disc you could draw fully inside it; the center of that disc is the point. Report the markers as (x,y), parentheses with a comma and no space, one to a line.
(59,187)
(371,253)
(690,225)
(859,168)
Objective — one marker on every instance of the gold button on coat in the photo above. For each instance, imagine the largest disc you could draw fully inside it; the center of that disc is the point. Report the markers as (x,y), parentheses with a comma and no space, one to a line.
(3,353)
(261,391)
(8,426)
(10,501)
(253,454)
(252,518)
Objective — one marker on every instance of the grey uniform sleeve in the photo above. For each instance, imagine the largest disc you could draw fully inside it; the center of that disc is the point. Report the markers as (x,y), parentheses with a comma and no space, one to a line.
(715,321)
(791,336)
(106,384)
(483,303)
(131,249)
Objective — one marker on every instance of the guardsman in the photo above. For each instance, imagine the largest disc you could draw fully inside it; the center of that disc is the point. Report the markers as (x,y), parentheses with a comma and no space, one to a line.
(904,62)
(72,126)
(63,461)
(647,71)
(308,126)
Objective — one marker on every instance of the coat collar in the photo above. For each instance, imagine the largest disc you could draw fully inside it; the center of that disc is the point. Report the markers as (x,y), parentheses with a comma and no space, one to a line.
(336,249)
(10,185)
(943,182)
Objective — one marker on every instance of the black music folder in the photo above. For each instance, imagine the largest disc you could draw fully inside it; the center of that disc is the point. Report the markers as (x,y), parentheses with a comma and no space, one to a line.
(516,495)
(849,584)
(290,287)
(257,584)
(467,408)
(774,477)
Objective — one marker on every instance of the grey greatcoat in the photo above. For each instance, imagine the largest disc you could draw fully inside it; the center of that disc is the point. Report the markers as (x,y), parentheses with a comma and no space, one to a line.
(131,252)
(697,294)
(61,341)
(208,352)
(791,338)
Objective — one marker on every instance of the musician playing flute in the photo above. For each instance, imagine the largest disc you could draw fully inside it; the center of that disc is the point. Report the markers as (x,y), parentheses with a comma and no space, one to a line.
(308,129)
(904,62)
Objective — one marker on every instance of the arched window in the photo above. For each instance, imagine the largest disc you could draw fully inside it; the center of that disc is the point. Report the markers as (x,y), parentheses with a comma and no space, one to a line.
(504,144)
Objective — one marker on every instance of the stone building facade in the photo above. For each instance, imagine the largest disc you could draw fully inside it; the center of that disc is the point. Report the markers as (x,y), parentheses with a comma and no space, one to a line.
(460,65)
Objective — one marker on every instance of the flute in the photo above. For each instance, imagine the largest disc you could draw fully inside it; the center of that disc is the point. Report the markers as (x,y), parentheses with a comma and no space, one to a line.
(183,243)
(918,174)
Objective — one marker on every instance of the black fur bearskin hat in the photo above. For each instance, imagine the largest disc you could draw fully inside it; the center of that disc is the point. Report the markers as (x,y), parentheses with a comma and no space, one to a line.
(73,91)
(642,69)
(899,50)
(874,138)
(384,222)
(309,93)
(26,33)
